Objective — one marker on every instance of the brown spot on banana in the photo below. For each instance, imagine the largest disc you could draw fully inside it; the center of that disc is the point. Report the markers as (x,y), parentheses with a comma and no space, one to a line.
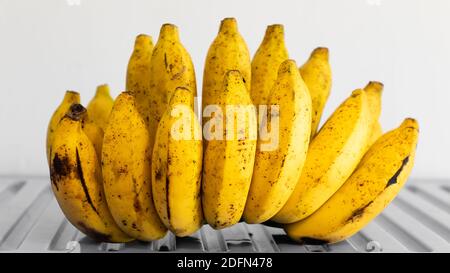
(59,168)
(393,179)
(83,182)
(358,213)
(167,198)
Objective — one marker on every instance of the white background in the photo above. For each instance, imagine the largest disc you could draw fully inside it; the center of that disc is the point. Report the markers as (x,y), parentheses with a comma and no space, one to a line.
(47,47)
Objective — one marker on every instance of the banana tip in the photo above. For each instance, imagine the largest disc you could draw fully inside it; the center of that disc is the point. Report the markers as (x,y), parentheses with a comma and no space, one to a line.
(227,24)
(76,111)
(142,39)
(321,51)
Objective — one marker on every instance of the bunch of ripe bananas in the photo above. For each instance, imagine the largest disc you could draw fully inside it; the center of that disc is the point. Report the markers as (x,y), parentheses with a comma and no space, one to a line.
(119,174)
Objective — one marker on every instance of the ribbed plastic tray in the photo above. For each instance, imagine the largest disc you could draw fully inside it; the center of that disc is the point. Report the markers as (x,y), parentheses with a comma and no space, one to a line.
(417,221)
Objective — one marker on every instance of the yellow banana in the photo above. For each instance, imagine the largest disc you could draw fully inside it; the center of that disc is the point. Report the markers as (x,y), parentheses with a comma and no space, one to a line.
(375,183)
(138,74)
(126,160)
(177,166)
(100,106)
(332,157)
(229,158)
(277,170)
(93,132)
(227,52)
(374,90)
(377,131)
(316,73)
(70,98)
(170,67)
(77,180)
(270,54)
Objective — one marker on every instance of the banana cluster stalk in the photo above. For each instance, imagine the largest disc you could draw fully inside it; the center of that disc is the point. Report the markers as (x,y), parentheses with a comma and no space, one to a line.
(372,186)
(279,161)
(143,164)
(177,166)
(76,177)
(126,164)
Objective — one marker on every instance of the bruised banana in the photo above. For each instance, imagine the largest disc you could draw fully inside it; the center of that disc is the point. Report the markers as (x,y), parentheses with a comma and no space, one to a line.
(77,180)
(100,106)
(126,160)
(177,166)
(70,98)
(138,74)
(374,90)
(278,164)
(316,73)
(381,174)
(170,67)
(332,157)
(268,58)
(227,52)
(229,156)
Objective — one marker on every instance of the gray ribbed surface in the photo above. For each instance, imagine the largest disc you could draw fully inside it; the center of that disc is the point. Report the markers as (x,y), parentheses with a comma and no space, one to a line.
(417,221)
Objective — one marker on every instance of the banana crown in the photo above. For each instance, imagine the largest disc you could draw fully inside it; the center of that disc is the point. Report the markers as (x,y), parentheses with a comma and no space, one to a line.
(228,26)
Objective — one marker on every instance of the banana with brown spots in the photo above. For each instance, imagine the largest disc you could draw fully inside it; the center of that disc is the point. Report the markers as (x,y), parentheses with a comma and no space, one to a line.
(332,157)
(279,161)
(379,177)
(177,166)
(77,180)
(126,159)
(229,156)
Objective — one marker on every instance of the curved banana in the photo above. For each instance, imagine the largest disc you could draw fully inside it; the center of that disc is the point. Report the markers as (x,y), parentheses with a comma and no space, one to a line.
(177,166)
(333,155)
(138,74)
(126,160)
(170,67)
(229,157)
(316,73)
(100,106)
(277,169)
(77,180)
(268,58)
(70,98)
(227,52)
(374,90)
(366,193)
